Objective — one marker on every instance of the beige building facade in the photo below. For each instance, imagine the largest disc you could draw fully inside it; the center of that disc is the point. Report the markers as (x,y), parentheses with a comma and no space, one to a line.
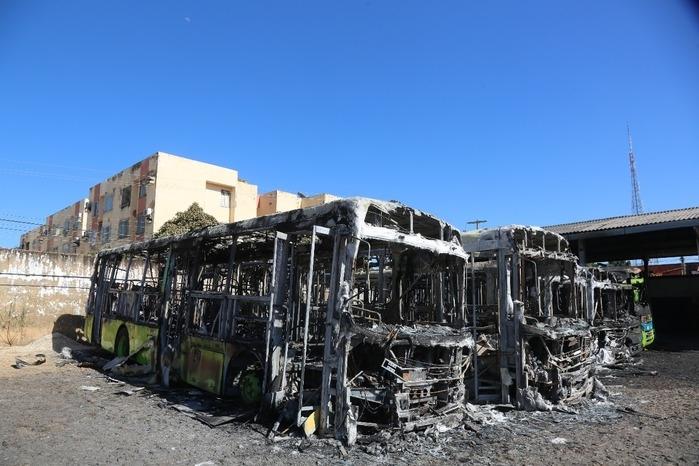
(62,233)
(282,201)
(133,204)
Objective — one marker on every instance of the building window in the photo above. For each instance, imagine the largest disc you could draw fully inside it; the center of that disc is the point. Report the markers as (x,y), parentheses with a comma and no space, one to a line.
(125,197)
(143,189)
(105,233)
(108,203)
(225,198)
(66,227)
(141,224)
(124,228)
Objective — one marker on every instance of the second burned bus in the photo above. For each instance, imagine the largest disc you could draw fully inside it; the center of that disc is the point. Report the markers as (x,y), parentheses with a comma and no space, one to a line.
(352,312)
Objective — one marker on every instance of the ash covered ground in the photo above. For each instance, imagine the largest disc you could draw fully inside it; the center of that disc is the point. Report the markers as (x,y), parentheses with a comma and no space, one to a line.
(59,413)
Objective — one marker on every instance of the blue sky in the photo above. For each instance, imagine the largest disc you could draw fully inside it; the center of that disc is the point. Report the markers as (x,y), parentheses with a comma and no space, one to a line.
(514,112)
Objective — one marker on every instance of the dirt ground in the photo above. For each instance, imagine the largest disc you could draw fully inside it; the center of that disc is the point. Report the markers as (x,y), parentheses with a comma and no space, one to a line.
(47,418)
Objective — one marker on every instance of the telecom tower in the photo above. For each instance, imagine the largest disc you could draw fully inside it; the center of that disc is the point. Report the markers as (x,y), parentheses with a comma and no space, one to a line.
(636,205)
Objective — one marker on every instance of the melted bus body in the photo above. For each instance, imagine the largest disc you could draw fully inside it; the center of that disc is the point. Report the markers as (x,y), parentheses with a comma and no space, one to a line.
(534,347)
(611,309)
(352,313)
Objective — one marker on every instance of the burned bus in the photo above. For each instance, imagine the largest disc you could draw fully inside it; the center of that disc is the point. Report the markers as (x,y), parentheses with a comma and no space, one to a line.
(350,314)
(611,309)
(533,347)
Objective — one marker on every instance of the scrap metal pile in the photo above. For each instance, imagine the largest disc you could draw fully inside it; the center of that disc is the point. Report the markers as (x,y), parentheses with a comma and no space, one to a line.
(359,316)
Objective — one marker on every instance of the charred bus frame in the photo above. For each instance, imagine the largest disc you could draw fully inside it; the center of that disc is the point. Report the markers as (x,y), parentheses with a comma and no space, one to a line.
(351,313)
(533,347)
(611,309)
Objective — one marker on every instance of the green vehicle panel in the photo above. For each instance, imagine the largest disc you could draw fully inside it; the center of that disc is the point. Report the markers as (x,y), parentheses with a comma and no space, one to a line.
(202,363)
(644,312)
(139,334)
(647,330)
(88,327)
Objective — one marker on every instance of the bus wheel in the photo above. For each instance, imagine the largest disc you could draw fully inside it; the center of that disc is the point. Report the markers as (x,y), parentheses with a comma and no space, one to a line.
(121,344)
(244,380)
(250,387)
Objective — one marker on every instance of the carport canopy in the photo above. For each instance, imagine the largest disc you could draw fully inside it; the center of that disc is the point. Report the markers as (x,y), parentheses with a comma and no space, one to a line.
(669,233)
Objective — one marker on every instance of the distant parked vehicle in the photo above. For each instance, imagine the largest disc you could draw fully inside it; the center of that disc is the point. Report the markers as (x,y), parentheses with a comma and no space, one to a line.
(643,310)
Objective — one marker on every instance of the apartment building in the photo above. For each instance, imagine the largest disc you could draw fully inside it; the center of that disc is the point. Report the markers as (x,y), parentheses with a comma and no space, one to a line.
(282,201)
(33,239)
(63,231)
(134,203)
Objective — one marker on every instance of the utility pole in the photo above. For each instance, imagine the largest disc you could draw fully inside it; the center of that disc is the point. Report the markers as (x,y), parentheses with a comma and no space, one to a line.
(476,222)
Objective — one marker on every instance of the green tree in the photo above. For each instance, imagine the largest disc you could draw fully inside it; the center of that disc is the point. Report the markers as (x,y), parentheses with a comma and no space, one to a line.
(194,218)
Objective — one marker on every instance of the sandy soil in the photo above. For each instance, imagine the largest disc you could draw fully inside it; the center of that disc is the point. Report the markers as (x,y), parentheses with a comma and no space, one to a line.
(47,418)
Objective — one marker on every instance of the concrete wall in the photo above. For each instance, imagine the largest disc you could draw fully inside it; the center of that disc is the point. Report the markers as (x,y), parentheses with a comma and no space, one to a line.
(44,285)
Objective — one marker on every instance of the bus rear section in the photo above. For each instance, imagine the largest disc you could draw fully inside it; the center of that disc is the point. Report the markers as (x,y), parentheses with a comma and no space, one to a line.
(124,305)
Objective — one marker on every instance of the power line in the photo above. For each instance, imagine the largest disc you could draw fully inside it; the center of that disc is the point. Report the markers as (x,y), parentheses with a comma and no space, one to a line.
(19,221)
(43,275)
(46,286)
(24,217)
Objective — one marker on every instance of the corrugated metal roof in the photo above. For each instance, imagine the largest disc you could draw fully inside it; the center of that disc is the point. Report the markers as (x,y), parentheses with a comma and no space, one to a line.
(625,221)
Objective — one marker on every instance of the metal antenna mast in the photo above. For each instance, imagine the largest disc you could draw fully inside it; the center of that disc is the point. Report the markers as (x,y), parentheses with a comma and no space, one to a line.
(636,205)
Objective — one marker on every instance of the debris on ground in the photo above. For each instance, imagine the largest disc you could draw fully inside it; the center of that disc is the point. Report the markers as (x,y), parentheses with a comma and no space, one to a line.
(129,392)
(89,388)
(20,363)
(489,434)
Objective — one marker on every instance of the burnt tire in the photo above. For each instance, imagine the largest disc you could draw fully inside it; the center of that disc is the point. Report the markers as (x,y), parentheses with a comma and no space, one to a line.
(244,380)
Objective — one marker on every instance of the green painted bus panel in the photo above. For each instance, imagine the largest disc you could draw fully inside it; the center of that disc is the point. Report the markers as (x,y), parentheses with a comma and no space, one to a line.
(89,319)
(202,362)
(110,327)
(138,335)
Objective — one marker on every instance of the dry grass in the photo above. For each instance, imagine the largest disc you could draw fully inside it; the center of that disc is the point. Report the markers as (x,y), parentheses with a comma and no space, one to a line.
(18,328)
(13,324)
